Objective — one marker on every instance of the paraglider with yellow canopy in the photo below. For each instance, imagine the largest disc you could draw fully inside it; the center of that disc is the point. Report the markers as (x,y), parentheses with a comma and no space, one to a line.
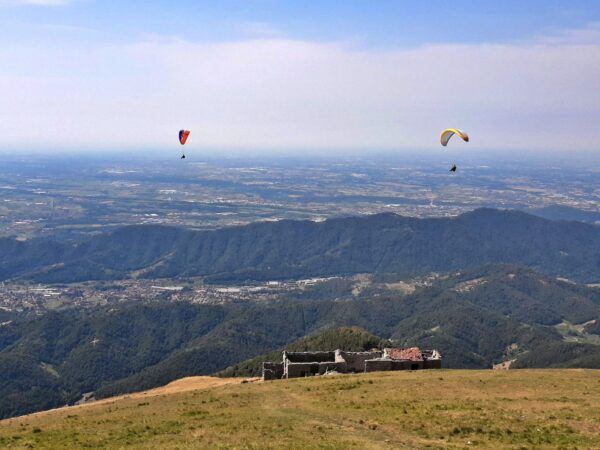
(449,132)
(447,135)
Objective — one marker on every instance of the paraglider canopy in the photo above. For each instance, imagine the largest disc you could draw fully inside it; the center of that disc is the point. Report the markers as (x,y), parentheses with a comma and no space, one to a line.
(449,132)
(183,135)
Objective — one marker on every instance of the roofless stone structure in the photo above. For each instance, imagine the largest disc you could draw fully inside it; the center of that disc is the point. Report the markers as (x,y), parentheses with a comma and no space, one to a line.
(304,364)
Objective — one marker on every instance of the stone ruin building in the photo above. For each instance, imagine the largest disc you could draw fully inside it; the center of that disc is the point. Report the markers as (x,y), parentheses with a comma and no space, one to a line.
(304,364)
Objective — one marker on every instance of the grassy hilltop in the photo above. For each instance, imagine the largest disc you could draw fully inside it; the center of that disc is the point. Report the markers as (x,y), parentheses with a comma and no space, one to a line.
(439,409)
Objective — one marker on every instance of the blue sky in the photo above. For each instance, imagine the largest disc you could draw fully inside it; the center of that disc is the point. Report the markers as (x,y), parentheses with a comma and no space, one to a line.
(294,75)
(378,23)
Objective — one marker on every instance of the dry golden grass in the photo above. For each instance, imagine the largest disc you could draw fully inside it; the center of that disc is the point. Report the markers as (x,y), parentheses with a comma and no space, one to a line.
(435,409)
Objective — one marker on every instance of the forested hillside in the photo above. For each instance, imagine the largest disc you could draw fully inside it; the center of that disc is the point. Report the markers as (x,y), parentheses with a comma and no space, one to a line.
(293,249)
(475,318)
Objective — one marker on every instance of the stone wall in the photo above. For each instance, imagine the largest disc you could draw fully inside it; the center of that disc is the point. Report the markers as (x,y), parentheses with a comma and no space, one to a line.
(355,361)
(301,357)
(376,365)
(409,365)
(272,371)
(432,364)
(306,369)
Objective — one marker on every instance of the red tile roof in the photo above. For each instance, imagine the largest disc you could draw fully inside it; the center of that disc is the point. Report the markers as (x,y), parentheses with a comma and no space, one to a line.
(411,354)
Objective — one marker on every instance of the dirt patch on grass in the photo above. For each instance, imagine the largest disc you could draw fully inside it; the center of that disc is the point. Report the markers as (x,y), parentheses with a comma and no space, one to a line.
(175,387)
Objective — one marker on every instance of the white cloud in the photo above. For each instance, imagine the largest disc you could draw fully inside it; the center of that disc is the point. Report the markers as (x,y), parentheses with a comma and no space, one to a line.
(280,93)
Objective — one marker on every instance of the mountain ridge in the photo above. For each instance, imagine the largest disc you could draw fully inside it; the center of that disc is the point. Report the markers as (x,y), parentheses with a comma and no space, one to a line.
(296,249)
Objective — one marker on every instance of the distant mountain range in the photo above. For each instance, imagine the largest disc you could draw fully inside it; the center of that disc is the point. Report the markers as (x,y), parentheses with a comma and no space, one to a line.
(560,212)
(382,243)
(474,317)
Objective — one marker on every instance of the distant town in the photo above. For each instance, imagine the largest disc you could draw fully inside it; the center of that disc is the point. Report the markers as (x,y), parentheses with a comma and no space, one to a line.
(37,298)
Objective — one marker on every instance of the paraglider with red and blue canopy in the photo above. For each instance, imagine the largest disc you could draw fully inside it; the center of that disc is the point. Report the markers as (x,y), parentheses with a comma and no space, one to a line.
(183,136)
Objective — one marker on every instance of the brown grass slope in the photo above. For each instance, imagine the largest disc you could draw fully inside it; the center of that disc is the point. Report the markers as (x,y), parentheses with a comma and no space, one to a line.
(435,409)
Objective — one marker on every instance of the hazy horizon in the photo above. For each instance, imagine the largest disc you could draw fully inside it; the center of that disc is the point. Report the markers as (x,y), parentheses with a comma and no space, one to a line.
(443,156)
